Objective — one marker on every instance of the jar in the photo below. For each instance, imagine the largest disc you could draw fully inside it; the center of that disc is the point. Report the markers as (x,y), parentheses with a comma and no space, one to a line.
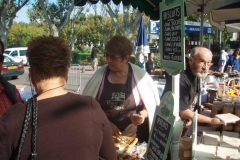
(226,99)
(229,69)
(228,107)
(237,127)
(185,148)
(216,127)
(217,108)
(228,127)
(237,108)
(221,89)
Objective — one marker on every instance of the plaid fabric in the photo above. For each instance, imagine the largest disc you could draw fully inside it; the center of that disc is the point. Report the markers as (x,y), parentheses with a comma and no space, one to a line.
(5,102)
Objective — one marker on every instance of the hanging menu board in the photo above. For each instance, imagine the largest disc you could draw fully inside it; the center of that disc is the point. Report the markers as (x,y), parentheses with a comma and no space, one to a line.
(172,36)
(162,127)
(171,30)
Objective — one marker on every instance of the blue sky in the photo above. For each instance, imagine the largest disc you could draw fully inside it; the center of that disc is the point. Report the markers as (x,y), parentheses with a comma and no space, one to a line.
(22,15)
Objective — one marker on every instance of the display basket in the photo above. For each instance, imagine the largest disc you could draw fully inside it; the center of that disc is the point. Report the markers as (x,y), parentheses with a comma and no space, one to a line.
(123,147)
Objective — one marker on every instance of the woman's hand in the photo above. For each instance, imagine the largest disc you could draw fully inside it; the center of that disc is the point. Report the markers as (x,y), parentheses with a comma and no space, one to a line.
(115,131)
(137,119)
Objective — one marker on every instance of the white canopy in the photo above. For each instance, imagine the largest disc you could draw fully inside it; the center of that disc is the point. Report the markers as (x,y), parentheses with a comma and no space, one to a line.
(219,17)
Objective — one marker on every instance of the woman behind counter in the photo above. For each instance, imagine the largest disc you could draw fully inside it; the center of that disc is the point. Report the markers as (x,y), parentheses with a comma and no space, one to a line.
(69,126)
(126,93)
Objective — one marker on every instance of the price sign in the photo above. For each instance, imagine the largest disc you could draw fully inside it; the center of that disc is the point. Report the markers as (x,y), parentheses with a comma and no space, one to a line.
(172,47)
(172,37)
(161,132)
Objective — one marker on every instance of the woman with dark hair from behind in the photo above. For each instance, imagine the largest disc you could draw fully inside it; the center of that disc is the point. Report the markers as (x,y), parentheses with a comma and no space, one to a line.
(9,94)
(69,126)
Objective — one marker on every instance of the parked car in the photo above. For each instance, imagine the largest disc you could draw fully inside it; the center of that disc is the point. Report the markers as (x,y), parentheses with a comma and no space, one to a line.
(11,68)
(18,52)
(15,59)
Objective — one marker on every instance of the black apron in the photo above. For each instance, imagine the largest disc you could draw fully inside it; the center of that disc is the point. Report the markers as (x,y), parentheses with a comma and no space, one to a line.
(117,101)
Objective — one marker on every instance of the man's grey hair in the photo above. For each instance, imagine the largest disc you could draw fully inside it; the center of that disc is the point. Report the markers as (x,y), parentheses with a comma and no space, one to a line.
(195,50)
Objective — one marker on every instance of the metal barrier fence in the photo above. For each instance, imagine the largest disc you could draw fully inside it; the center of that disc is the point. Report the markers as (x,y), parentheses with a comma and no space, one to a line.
(74,76)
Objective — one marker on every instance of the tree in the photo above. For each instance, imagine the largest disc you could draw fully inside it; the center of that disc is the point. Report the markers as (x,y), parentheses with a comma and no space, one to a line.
(72,28)
(56,14)
(21,33)
(130,21)
(8,11)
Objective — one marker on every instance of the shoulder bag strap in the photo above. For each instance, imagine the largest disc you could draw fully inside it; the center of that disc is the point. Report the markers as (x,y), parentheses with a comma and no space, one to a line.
(31,107)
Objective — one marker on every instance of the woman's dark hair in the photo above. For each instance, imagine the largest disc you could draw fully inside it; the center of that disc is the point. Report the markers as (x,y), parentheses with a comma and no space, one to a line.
(1,43)
(119,45)
(48,57)
(236,52)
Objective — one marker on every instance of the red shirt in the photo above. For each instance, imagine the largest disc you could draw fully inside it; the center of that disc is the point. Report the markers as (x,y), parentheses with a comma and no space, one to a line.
(5,102)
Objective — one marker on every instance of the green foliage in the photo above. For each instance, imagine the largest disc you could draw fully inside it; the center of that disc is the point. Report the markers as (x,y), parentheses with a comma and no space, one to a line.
(101,59)
(157,61)
(21,33)
(234,44)
(75,57)
(134,60)
(215,48)
(215,59)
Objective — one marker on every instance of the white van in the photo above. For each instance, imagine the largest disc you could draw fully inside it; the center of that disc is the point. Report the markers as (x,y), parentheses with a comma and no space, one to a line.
(19,52)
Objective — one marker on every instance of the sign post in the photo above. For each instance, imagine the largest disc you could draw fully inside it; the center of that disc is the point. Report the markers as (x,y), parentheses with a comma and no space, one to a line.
(172,47)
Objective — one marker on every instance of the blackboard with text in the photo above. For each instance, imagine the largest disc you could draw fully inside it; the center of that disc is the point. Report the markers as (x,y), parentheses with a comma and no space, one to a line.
(162,128)
(171,32)
(172,36)
(158,141)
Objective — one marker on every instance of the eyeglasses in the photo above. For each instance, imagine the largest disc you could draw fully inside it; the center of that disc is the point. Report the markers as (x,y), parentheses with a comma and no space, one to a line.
(209,64)
(1,58)
(112,57)
(203,63)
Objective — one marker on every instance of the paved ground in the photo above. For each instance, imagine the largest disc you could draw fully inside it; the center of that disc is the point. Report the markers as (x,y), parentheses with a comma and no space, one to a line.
(23,80)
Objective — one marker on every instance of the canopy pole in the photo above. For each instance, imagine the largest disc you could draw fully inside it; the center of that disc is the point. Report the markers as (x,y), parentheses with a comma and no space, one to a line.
(200,79)
(201,31)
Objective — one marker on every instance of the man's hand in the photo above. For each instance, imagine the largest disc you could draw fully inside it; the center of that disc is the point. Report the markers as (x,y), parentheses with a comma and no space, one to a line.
(216,121)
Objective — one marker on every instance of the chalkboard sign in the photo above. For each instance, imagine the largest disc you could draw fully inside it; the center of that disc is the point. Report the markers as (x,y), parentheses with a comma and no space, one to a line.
(161,131)
(171,32)
(172,36)
(158,142)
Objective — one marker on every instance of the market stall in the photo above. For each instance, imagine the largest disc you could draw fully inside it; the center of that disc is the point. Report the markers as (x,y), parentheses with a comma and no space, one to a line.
(223,101)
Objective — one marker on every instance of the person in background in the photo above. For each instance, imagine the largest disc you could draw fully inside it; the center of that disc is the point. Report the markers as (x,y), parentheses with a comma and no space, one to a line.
(94,58)
(234,61)
(69,126)
(150,67)
(126,93)
(223,60)
(199,64)
(9,94)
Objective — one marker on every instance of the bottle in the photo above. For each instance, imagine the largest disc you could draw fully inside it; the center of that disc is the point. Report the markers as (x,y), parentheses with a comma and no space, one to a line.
(229,69)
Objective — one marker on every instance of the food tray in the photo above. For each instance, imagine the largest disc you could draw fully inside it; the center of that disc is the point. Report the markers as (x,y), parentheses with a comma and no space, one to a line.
(123,148)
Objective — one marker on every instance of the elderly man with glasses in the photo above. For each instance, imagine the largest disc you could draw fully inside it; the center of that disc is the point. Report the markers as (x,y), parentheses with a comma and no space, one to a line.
(200,61)
(9,95)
